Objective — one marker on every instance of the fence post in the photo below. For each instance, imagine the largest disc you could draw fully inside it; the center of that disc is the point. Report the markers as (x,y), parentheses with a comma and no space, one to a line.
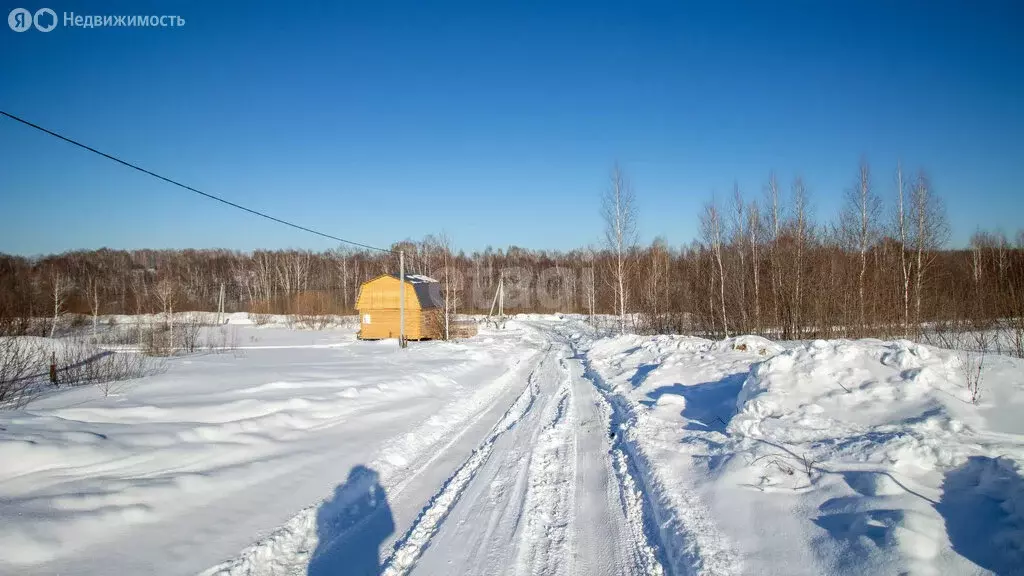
(53,368)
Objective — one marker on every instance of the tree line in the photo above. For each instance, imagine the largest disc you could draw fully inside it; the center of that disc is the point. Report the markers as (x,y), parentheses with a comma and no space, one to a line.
(764,264)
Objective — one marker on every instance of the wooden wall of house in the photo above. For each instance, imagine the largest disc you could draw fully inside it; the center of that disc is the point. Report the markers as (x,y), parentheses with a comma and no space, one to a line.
(384,293)
(379,298)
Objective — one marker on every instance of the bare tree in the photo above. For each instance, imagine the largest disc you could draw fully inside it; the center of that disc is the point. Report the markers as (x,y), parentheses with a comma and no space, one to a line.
(800,231)
(619,215)
(776,267)
(60,286)
(654,277)
(139,295)
(930,232)
(166,292)
(901,229)
(740,240)
(93,287)
(711,229)
(589,283)
(754,232)
(444,245)
(859,227)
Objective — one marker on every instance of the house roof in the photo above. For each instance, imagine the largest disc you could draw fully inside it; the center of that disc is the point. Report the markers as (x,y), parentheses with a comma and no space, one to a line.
(428,290)
(417,278)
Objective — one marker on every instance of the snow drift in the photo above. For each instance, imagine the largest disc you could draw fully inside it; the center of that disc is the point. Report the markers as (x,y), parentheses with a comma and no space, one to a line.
(886,430)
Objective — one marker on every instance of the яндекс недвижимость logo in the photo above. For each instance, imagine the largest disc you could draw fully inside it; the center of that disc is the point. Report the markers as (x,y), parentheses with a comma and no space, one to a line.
(45,20)
(21,19)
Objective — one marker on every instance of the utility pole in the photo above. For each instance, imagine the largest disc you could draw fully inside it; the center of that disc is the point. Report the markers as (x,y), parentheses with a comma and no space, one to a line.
(220,305)
(499,301)
(401,299)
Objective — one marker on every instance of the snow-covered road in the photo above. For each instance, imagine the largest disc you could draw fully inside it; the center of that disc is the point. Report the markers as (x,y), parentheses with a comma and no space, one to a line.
(548,489)
(550,498)
(545,491)
(540,449)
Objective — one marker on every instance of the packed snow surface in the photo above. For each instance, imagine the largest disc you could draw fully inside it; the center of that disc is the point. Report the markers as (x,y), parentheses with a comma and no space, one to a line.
(544,448)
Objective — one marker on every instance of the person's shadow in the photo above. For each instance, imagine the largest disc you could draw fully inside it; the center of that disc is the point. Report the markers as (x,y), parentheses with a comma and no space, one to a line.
(983,506)
(351,527)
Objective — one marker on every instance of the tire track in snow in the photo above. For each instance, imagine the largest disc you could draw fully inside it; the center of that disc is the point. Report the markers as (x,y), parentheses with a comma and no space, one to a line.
(545,538)
(412,544)
(689,541)
(682,537)
(686,536)
(647,553)
(645,549)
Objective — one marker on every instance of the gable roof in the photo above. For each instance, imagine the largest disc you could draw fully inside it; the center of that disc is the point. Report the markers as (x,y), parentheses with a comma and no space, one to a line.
(429,294)
(427,290)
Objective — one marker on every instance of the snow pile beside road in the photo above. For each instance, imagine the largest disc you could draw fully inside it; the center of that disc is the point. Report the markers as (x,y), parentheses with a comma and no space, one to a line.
(879,442)
(753,344)
(831,457)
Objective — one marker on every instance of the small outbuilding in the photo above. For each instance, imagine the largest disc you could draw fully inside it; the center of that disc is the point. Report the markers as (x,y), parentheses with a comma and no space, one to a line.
(378,306)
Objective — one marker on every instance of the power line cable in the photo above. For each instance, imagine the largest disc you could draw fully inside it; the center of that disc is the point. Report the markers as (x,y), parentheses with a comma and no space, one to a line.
(189,188)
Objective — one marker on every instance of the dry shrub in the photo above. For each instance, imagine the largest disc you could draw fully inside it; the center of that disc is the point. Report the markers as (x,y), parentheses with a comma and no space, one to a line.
(80,363)
(223,340)
(20,371)
(259,312)
(13,325)
(156,341)
(118,335)
(191,326)
(433,322)
(312,310)
(457,328)
(1015,330)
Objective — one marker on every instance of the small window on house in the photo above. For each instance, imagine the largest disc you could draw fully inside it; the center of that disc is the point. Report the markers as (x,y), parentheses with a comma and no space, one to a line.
(366,318)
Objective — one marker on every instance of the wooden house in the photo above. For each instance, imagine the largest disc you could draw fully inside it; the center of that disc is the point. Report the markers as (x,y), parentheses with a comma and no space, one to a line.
(378,306)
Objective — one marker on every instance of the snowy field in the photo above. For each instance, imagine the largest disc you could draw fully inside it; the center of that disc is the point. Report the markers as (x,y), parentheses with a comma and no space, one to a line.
(539,449)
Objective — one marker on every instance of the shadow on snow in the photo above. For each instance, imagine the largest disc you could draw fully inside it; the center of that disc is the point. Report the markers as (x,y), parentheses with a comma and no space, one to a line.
(983,506)
(709,406)
(641,373)
(352,526)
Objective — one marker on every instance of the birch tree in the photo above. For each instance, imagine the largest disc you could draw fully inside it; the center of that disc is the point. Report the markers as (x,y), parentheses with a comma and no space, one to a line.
(901,231)
(59,288)
(589,283)
(930,233)
(800,233)
(859,227)
(444,248)
(619,213)
(711,229)
(166,293)
(776,265)
(740,240)
(754,233)
(93,288)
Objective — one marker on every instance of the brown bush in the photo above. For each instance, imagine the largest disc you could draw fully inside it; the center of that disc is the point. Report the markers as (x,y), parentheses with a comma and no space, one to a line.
(313,310)
(259,312)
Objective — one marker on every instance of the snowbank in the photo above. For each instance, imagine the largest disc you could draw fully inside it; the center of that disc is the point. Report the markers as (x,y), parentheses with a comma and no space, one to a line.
(749,343)
(828,457)
(881,440)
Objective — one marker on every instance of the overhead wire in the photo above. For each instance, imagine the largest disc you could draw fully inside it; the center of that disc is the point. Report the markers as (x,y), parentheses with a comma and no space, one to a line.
(190,188)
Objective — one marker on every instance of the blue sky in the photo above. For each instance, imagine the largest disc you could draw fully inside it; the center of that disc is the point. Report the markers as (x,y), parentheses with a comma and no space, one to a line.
(496,122)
